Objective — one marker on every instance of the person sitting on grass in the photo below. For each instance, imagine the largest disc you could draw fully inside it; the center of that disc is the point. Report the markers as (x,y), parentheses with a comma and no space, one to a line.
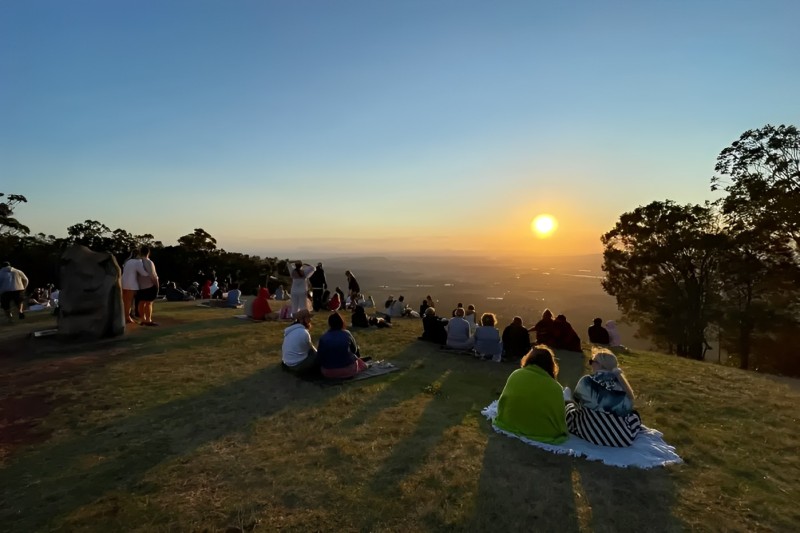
(434,328)
(359,318)
(335,303)
(602,412)
(487,339)
(564,336)
(471,316)
(597,333)
(174,294)
(260,309)
(299,355)
(544,328)
(458,334)
(532,402)
(338,351)
(516,340)
(233,299)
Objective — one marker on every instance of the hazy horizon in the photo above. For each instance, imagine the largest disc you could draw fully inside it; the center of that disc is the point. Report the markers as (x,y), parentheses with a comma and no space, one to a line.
(408,126)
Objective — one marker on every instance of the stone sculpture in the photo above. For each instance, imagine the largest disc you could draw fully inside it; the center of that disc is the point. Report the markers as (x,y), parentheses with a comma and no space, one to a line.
(91,294)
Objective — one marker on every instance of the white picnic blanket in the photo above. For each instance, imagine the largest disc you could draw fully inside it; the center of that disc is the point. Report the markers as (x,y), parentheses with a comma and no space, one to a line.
(647,451)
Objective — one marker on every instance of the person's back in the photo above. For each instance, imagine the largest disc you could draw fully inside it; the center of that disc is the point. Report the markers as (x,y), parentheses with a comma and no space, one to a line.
(516,340)
(261,309)
(532,404)
(544,330)
(601,392)
(234,298)
(614,338)
(602,412)
(336,349)
(433,327)
(487,342)
(458,333)
(359,318)
(597,333)
(296,344)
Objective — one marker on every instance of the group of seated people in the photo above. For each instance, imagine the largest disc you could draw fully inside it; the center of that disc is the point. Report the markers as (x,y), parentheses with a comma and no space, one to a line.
(337,355)
(460,332)
(534,405)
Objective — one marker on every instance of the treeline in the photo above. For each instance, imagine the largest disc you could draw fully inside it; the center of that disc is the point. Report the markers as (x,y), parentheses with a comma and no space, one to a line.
(726,271)
(195,257)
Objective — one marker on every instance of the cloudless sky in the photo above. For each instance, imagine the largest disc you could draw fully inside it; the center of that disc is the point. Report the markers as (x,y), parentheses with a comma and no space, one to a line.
(379,126)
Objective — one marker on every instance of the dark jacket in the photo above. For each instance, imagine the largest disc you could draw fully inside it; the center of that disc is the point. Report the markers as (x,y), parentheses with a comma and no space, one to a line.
(516,341)
(337,349)
(598,335)
(433,329)
(318,280)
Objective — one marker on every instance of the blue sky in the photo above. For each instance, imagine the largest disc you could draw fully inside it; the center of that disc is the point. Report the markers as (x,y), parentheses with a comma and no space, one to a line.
(380,125)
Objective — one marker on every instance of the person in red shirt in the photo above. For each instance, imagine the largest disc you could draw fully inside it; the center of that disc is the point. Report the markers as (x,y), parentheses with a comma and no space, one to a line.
(261,309)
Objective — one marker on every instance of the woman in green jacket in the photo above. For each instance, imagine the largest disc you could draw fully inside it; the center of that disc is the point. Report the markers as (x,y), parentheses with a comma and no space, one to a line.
(532,402)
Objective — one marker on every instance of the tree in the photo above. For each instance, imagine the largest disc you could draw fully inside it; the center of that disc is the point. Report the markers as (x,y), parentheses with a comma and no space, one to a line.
(8,224)
(199,241)
(660,262)
(92,234)
(761,174)
(761,211)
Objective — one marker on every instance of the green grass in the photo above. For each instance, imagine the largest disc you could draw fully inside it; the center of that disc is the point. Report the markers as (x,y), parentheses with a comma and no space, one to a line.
(193,427)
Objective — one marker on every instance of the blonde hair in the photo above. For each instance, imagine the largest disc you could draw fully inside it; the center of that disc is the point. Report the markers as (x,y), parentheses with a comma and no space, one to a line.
(608,363)
(488,319)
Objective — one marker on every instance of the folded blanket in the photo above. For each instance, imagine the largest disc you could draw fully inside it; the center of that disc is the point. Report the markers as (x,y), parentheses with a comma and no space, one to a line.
(647,451)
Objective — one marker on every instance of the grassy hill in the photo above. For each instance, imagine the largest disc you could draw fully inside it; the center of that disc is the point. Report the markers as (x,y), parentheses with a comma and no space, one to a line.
(192,426)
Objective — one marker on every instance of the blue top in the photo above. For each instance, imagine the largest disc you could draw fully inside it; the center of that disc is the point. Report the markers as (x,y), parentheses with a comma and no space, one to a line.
(602,392)
(337,349)
(487,341)
(233,298)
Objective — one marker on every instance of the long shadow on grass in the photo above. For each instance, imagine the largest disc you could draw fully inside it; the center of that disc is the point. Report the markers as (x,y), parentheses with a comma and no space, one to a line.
(49,483)
(628,499)
(446,409)
(522,488)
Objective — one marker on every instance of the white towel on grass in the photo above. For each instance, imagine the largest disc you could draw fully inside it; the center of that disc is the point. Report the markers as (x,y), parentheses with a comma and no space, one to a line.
(647,451)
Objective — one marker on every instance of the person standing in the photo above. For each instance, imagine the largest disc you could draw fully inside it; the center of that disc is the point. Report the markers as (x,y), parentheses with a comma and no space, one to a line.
(352,286)
(13,283)
(300,274)
(132,271)
(318,286)
(148,288)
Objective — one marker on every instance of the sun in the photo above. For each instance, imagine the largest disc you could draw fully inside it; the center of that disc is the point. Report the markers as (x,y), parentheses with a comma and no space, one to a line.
(543,226)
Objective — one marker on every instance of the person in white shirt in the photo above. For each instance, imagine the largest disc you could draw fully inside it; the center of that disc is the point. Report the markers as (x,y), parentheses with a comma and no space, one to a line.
(13,283)
(148,288)
(132,270)
(298,353)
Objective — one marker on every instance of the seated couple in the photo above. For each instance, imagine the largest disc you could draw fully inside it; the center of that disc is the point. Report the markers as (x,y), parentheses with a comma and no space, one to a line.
(397,308)
(337,356)
(557,334)
(485,341)
(532,404)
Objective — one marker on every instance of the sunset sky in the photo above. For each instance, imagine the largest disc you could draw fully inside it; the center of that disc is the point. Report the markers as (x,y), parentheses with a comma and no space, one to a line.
(380,126)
